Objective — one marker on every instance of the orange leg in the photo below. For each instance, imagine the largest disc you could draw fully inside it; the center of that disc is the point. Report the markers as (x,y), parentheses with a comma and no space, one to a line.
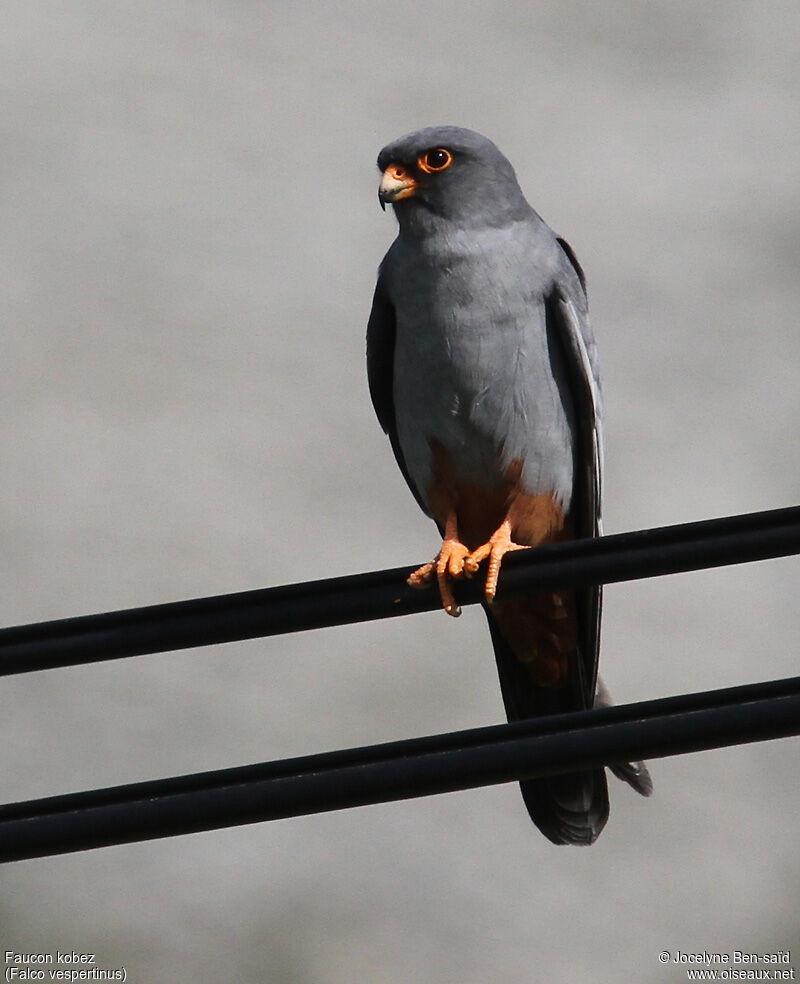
(495,548)
(449,562)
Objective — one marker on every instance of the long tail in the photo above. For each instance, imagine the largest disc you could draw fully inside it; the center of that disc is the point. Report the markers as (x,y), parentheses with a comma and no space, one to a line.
(571,808)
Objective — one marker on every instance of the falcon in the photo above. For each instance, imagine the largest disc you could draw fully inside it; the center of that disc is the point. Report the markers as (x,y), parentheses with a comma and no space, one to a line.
(483,373)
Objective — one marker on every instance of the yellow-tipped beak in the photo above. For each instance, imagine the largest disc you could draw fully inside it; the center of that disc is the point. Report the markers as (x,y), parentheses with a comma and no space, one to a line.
(397,183)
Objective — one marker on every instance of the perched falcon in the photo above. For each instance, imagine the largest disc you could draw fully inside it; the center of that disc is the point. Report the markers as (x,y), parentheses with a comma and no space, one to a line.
(482,371)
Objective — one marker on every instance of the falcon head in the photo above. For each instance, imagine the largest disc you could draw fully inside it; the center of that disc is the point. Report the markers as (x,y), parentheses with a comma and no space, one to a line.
(449,173)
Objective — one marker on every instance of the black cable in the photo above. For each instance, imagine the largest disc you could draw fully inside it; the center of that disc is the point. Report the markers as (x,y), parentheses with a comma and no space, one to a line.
(399,770)
(383,594)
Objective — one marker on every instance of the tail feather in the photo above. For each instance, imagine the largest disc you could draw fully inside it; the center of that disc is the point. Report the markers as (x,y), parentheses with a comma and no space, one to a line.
(571,808)
(568,809)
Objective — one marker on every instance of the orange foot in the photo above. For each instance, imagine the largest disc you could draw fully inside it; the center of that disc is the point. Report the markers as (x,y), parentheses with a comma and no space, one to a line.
(449,563)
(496,547)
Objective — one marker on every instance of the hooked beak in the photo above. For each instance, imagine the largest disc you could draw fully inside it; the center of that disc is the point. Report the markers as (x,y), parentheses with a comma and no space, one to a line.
(397,183)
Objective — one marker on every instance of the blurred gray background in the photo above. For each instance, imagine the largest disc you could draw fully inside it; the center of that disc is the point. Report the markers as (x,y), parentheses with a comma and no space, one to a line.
(189,234)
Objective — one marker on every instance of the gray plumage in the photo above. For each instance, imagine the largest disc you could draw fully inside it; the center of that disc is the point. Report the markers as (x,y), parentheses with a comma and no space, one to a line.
(479,343)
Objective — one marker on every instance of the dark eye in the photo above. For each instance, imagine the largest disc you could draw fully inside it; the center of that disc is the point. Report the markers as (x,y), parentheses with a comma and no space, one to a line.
(434,160)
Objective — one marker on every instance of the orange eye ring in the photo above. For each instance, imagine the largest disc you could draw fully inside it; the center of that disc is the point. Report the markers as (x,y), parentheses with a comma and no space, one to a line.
(435,160)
